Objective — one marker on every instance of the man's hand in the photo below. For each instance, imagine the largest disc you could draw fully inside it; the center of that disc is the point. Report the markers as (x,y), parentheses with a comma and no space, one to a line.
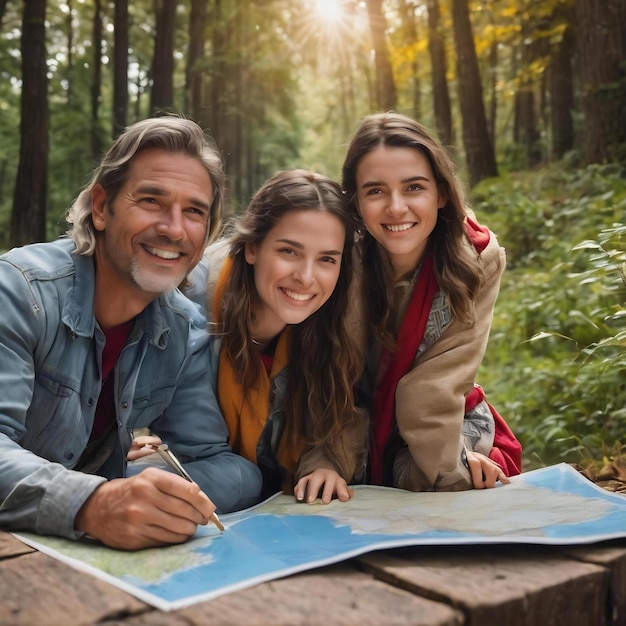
(309,487)
(151,509)
(485,473)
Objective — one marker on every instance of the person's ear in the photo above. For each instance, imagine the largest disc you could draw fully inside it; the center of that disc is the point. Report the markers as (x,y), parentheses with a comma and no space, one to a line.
(98,207)
(250,253)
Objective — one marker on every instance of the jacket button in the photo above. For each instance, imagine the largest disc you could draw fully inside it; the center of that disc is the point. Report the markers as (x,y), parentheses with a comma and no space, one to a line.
(124,405)
(90,402)
(69,456)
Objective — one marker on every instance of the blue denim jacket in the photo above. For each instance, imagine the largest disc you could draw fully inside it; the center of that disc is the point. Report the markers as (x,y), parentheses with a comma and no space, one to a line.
(50,379)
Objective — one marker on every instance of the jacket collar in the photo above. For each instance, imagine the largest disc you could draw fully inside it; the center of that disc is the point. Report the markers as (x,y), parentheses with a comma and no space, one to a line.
(78,314)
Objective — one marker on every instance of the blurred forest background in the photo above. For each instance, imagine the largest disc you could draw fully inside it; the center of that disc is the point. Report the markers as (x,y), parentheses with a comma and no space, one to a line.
(530,96)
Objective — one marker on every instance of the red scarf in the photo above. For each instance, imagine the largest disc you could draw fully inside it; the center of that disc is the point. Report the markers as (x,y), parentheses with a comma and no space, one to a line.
(394,364)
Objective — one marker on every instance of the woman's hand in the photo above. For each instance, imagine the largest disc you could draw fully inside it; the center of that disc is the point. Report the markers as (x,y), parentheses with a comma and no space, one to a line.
(143,446)
(485,473)
(326,481)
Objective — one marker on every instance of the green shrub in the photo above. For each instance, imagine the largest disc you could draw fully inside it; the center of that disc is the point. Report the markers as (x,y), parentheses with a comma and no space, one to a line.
(556,361)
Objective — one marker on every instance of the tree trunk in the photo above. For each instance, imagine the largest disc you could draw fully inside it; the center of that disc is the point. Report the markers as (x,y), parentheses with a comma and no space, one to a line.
(195,56)
(528,97)
(120,68)
(238,101)
(69,71)
(3,6)
(526,133)
(481,162)
(601,45)
(407,15)
(562,96)
(216,88)
(3,178)
(439,64)
(163,60)
(96,144)
(28,218)
(385,85)
(493,92)
(492,82)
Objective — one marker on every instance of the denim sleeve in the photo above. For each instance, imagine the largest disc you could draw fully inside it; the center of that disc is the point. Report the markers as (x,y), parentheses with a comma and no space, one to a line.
(193,426)
(35,494)
(44,497)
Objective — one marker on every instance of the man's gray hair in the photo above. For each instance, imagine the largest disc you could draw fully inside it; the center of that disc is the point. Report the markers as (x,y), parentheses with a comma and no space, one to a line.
(170,133)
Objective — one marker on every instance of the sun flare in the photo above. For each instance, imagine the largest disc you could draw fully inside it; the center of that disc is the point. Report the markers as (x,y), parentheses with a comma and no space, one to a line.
(329,9)
(328,29)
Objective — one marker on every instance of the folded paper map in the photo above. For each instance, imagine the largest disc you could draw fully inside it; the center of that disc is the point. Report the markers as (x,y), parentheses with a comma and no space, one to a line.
(554,505)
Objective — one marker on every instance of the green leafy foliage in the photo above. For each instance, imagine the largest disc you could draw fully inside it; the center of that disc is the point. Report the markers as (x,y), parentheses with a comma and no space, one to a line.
(556,361)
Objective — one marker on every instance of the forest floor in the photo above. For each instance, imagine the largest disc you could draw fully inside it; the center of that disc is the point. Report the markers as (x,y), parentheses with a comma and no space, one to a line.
(610,475)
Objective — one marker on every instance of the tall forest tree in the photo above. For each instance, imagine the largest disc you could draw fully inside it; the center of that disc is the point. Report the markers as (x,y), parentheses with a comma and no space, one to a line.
(195,55)
(479,153)
(561,87)
(492,80)
(69,68)
(601,44)
(238,113)
(96,80)
(216,87)
(120,67)
(439,64)
(406,11)
(162,95)
(28,217)
(385,85)
(526,126)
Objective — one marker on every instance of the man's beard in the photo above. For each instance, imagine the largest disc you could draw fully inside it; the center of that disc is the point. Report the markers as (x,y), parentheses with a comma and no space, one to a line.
(154,282)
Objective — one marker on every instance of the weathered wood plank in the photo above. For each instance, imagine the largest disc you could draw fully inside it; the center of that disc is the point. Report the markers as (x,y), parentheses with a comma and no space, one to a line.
(612,556)
(152,618)
(37,589)
(427,586)
(507,586)
(10,546)
(337,595)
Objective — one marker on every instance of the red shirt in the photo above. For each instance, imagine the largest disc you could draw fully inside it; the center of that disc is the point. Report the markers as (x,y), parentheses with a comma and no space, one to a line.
(105,416)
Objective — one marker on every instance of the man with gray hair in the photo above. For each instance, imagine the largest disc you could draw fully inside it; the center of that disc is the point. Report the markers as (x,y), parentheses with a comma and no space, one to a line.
(96,341)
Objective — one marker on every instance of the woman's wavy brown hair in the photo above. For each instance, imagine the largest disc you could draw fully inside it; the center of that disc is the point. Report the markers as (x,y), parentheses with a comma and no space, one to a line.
(458,274)
(323,359)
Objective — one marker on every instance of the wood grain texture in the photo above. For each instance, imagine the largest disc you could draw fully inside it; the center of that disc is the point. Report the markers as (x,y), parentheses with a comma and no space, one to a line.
(611,555)
(337,595)
(521,586)
(36,589)
(10,546)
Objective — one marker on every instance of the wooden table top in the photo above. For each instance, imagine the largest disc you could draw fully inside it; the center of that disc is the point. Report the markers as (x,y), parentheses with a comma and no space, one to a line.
(486,585)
